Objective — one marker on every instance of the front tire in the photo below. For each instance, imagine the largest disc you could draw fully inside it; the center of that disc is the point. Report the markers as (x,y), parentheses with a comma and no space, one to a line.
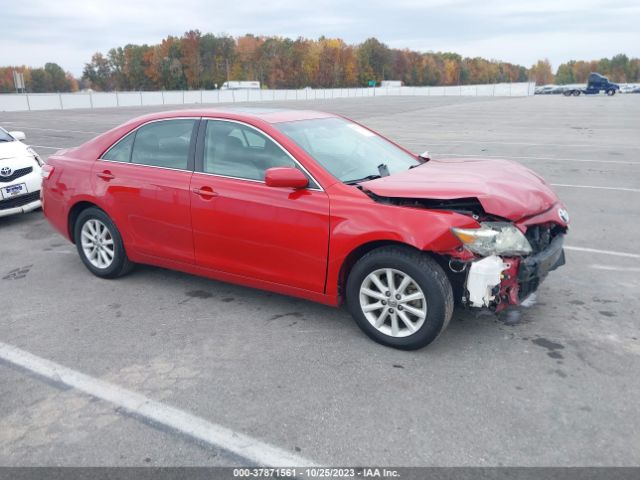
(100,245)
(400,297)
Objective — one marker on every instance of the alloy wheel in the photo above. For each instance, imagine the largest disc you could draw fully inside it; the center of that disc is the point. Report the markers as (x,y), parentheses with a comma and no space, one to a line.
(97,243)
(393,302)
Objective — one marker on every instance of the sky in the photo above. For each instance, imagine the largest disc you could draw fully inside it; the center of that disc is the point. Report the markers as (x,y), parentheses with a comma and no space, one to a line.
(68,32)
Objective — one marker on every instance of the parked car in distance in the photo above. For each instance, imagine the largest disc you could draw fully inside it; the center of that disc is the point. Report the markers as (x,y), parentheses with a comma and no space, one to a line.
(19,175)
(596,83)
(312,205)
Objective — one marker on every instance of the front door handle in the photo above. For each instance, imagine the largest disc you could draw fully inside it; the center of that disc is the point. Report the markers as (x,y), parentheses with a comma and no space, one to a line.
(106,175)
(205,192)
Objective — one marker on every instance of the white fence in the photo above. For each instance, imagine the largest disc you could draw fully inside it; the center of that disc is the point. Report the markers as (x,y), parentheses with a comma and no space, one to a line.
(11,102)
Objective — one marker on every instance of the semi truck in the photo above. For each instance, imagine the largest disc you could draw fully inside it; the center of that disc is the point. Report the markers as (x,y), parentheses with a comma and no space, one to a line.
(596,83)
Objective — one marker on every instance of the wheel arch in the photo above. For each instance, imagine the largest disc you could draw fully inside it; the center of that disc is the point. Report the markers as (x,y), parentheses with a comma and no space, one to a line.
(358,252)
(76,210)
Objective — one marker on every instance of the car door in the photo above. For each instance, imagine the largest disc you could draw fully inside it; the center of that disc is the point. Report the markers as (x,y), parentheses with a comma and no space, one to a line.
(143,182)
(242,226)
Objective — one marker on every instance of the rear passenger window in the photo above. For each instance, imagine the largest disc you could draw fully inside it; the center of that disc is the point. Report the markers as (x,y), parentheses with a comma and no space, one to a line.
(121,151)
(163,144)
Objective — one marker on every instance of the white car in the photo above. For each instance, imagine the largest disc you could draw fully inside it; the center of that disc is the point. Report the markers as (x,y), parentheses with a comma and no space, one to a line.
(20,177)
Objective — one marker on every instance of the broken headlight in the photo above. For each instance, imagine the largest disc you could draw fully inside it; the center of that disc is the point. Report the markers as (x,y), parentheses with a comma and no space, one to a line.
(494,238)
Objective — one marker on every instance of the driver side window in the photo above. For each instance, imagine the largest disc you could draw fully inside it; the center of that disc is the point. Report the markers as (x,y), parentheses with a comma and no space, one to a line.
(235,150)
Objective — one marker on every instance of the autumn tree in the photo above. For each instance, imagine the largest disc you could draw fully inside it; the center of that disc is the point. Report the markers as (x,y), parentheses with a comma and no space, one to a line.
(99,72)
(191,58)
(541,72)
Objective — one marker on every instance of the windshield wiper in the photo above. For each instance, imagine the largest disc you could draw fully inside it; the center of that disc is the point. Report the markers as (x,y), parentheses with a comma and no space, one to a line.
(363,179)
(383,172)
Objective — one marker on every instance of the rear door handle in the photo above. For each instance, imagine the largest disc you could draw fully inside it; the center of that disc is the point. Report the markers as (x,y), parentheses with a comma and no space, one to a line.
(205,192)
(106,175)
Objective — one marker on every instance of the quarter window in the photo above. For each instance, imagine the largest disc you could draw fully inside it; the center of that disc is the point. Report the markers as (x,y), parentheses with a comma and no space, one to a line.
(163,144)
(121,151)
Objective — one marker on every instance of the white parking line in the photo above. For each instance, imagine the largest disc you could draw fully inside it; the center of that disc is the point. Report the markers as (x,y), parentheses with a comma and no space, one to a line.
(50,148)
(198,428)
(58,130)
(554,159)
(611,268)
(603,252)
(530,144)
(621,189)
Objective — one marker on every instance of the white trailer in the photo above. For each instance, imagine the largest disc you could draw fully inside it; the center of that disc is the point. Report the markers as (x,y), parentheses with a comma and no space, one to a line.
(241,85)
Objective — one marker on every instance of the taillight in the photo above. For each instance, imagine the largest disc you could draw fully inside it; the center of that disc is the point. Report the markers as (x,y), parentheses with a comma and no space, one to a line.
(46,171)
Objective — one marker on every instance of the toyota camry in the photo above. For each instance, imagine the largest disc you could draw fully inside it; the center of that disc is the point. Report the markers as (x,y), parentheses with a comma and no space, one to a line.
(312,205)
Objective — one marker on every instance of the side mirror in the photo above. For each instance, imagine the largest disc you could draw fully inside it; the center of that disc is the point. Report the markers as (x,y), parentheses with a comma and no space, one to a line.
(425,156)
(285,177)
(18,135)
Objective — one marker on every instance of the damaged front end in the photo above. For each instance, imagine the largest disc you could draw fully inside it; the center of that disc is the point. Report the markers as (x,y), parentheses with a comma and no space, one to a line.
(506,275)
(505,258)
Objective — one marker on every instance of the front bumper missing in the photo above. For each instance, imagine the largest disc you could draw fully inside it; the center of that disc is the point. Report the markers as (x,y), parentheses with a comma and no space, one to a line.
(535,268)
(497,282)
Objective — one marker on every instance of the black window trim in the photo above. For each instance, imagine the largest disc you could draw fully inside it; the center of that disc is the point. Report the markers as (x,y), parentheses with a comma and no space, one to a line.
(199,153)
(134,132)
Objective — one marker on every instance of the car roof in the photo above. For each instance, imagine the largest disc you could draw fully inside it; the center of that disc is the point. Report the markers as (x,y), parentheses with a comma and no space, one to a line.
(269,115)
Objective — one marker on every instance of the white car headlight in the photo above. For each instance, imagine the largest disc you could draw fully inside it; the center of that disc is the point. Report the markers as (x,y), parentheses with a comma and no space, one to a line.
(494,238)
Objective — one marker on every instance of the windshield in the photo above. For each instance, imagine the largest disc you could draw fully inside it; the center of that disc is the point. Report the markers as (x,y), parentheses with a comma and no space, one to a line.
(4,136)
(348,151)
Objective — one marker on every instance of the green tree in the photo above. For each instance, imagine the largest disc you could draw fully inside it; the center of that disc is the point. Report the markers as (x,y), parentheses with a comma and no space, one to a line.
(56,77)
(374,59)
(565,75)
(99,72)
(40,81)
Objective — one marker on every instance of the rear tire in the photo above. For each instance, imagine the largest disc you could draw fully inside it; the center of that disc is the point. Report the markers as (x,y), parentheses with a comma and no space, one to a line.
(576,93)
(411,312)
(100,245)
(611,92)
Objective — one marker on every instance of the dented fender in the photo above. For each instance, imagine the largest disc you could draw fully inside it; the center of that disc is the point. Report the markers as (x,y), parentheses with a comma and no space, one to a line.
(356,220)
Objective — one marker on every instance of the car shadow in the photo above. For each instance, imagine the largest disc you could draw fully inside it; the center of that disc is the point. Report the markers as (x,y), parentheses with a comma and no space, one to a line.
(465,327)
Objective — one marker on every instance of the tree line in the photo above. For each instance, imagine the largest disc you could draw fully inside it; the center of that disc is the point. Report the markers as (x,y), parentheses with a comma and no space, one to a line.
(618,68)
(51,78)
(197,61)
(206,61)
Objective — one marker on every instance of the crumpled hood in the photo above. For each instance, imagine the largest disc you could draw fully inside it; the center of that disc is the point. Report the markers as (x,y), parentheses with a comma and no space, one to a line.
(504,188)
(13,149)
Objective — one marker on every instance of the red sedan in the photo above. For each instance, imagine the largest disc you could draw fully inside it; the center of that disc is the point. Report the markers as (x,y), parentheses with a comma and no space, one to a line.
(312,205)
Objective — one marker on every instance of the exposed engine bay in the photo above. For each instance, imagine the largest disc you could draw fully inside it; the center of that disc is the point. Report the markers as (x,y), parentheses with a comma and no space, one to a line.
(482,279)
(496,282)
